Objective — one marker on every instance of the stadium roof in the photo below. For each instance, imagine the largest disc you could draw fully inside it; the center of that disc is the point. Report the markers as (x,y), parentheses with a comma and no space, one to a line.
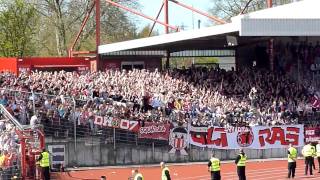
(295,19)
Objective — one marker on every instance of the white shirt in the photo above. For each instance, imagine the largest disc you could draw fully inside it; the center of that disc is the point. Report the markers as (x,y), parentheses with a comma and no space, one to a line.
(33,121)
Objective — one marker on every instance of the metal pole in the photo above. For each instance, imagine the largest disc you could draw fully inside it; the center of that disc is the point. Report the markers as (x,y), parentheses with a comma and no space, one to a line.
(140,14)
(74,126)
(153,152)
(136,140)
(220,21)
(154,23)
(166,15)
(97,23)
(98,38)
(114,138)
(269,3)
(84,22)
(33,102)
(167,60)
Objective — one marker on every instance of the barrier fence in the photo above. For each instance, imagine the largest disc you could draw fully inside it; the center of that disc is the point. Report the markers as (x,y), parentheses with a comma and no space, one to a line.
(71,122)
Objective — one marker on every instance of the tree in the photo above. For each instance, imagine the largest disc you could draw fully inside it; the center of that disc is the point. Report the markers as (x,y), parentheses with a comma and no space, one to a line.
(145,31)
(18,25)
(229,8)
(61,21)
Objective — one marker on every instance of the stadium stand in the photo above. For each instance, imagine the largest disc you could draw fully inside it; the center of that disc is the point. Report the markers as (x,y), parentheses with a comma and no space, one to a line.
(203,96)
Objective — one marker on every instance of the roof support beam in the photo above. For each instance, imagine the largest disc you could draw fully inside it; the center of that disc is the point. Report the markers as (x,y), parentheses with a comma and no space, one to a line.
(154,23)
(220,21)
(84,22)
(141,14)
(166,14)
(269,3)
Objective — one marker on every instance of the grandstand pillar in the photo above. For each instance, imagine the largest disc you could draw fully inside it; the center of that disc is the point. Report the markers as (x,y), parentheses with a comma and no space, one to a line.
(166,15)
(236,59)
(167,59)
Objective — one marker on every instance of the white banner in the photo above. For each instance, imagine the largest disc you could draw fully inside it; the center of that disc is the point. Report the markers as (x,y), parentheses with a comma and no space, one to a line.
(258,137)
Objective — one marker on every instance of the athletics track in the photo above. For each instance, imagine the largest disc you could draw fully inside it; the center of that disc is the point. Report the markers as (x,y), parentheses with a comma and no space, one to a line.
(267,170)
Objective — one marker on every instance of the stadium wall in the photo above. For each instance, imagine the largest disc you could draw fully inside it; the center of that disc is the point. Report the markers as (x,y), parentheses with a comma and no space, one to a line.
(9,65)
(150,63)
(99,154)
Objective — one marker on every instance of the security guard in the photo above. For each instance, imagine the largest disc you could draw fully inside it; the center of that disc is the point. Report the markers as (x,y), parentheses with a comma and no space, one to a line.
(165,174)
(241,165)
(214,168)
(308,151)
(292,158)
(318,155)
(137,175)
(44,159)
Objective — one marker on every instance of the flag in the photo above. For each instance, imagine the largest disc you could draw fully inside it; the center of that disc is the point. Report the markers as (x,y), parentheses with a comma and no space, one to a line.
(315,101)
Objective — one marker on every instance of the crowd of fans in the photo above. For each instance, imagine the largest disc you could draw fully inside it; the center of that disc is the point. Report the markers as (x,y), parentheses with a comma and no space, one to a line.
(198,95)
(9,149)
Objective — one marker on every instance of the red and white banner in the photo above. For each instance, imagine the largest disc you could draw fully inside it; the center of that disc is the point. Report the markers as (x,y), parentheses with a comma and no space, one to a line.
(312,134)
(117,123)
(155,131)
(178,140)
(259,137)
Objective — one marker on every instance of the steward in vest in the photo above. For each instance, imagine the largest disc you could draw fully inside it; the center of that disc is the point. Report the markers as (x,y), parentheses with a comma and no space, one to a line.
(241,165)
(214,168)
(292,158)
(44,160)
(137,175)
(165,172)
(318,154)
(308,152)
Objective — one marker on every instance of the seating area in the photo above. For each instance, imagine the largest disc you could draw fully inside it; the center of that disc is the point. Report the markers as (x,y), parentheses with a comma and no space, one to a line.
(201,96)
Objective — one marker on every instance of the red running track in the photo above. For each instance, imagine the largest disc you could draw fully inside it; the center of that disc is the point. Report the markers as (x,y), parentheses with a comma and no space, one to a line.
(268,170)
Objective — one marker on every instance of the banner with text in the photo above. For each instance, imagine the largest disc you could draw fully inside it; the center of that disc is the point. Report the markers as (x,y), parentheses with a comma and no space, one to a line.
(258,137)
(312,134)
(154,131)
(112,122)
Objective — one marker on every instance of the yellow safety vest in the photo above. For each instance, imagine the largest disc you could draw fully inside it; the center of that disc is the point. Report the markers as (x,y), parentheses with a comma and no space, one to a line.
(242,161)
(318,150)
(137,176)
(292,157)
(215,164)
(2,157)
(308,150)
(44,162)
(313,149)
(163,176)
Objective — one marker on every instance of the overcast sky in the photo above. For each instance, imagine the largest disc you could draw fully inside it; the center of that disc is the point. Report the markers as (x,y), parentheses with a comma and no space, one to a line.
(178,16)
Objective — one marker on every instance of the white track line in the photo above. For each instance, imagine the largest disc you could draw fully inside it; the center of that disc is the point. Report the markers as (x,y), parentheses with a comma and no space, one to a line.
(234,172)
(254,174)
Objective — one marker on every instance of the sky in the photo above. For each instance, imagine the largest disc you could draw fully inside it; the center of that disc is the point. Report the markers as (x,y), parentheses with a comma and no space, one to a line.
(178,15)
